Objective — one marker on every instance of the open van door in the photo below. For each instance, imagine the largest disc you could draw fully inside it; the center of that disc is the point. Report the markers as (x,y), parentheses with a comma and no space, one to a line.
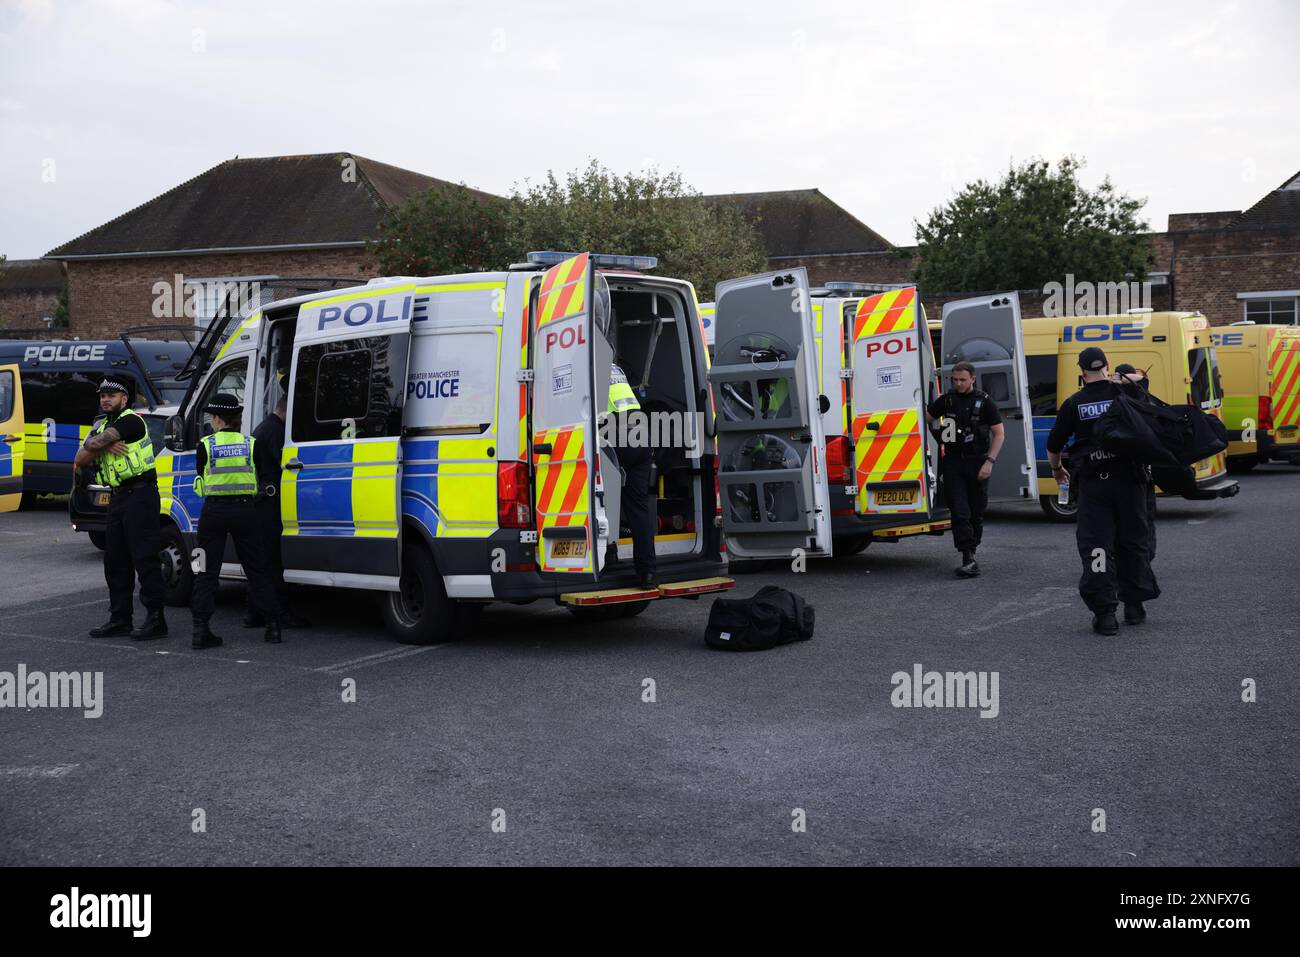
(986,332)
(12,443)
(571,363)
(771,445)
(341,481)
(895,456)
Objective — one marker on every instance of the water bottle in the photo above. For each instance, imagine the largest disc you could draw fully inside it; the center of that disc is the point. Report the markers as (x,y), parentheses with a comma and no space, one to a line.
(1063,496)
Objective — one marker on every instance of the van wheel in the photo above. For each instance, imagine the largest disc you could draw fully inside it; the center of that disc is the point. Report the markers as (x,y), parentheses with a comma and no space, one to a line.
(1242,463)
(178,577)
(628,609)
(848,547)
(98,539)
(1057,512)
(420,613)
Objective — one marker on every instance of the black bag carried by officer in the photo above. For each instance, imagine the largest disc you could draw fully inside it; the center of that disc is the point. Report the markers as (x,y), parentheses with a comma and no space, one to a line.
(772,617)
(1140,429)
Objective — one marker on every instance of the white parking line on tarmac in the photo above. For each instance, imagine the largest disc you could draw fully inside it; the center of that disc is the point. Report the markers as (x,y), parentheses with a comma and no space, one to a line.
(53,771)
(366,661)
(46,611)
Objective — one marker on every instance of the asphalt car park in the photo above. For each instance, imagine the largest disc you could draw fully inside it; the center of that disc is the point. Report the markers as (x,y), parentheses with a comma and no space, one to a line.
(544,739)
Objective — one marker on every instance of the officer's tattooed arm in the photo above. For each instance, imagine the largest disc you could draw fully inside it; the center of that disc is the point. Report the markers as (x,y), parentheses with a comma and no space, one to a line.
(96,445)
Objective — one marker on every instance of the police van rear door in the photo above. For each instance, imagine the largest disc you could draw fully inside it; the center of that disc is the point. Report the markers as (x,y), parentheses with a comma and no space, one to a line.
(342,477)
(986,332)
(771,443)
(893,451)
(570,386)
(12,442)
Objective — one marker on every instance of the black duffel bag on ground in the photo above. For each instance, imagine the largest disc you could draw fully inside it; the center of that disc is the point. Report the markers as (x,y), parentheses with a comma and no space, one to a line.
(772,617)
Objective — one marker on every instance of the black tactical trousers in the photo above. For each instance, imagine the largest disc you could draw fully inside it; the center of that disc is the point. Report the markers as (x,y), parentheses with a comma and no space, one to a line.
(132,542)
(1115,538)
(270,528)
(967,496)
(236,517)
(638,505)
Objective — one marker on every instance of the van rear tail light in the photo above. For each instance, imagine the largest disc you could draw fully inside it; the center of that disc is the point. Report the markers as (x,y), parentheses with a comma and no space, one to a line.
(1265,420)
(514,504)
(839,454)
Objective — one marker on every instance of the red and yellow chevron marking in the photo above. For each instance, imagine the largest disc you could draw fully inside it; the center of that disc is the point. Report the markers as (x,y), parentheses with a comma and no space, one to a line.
(892,453)
(564,290)
(891,311)
(523,364)
(562,498)
(1284,380)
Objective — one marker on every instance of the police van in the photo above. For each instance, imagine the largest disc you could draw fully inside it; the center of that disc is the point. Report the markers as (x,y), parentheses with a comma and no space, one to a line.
(443,438)
(1174,348)
(872,373)
(59,385)
(1260,369)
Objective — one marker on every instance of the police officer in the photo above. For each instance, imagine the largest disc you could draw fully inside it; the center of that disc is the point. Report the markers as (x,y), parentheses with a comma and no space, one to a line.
(972,433)
(638,497)
(1126,371)
(1113,532)
(122,452)
(268,444)
(227,480)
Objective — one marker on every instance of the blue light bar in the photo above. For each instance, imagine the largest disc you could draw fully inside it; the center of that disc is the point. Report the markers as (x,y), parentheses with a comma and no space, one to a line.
(602,260)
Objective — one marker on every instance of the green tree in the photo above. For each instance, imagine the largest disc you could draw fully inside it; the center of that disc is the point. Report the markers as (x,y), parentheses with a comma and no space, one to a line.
(443,230)
(650,213)
(1033,227)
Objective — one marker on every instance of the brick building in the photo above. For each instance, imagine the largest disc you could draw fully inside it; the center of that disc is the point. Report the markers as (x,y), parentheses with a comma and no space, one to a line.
(29,294)
(242,220)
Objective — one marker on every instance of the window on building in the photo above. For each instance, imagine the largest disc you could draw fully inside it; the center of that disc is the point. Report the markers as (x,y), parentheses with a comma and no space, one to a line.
(1271,311)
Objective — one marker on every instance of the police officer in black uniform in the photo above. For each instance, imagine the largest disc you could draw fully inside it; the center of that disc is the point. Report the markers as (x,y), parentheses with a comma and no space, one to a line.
(1113,530)
(268,446)
(1136,376)
(228,483)
(122,453)
(970,427)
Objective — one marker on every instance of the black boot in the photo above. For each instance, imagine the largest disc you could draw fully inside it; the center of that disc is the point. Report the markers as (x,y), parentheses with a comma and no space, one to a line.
(113,628)
(203,636)
(969,568)
(1104,623)
(272,631)
(154,626)
(1134,613)
(646,581)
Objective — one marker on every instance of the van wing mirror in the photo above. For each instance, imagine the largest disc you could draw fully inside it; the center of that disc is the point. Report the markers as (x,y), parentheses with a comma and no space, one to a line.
(174,434)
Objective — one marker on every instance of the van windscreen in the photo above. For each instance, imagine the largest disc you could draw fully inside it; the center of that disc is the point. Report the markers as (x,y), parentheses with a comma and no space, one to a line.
(1199,365)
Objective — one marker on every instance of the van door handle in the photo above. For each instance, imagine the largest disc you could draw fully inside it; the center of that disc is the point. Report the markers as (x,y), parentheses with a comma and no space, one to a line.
(873,426)
(13,439)
(541,448)
(293,464)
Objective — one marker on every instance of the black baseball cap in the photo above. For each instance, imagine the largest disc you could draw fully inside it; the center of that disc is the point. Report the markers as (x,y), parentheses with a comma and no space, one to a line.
(1092,359)
(1125,368)
(224,404)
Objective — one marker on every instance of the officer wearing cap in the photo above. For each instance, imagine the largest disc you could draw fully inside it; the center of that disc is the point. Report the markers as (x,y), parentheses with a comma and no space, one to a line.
(971,430)
(122,453)
(1113,531)
(1126,372)
(227,481)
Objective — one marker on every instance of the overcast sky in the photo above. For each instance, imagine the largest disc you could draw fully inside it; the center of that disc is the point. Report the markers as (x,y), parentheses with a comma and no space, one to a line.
(885,107)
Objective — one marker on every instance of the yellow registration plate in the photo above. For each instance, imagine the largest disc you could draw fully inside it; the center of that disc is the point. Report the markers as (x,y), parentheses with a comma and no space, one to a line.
(569,548)
(101,498)
(896,496)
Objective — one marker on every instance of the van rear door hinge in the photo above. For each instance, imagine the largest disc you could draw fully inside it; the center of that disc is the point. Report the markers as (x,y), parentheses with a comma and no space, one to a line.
(524,375)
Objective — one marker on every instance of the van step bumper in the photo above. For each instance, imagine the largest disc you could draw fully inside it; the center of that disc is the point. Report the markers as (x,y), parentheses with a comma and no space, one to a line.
(1215,488)
(615,596)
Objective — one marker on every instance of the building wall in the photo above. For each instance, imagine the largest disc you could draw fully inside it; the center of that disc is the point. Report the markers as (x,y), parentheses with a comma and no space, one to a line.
(26,310)
(106,296)
(1211,266)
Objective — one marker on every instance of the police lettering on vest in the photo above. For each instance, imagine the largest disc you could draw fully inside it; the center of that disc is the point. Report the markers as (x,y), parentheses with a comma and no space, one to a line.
(229,469)
(114,469)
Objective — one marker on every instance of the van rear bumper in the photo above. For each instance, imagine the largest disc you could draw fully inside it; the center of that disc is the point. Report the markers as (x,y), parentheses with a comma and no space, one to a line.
(1217,486)
(1271,451)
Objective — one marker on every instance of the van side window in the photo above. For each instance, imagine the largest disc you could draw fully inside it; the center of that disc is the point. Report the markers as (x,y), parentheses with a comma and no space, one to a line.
(349,387)
(231,378)
(7,394)
(1042,384)
(68,398)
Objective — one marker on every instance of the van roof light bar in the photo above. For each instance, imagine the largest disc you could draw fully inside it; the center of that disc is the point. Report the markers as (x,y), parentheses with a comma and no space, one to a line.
(549,257)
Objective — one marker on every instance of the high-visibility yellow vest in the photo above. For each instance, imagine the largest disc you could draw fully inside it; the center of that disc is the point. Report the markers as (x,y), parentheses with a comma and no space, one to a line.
(114,469)
(229,469)
(621,396)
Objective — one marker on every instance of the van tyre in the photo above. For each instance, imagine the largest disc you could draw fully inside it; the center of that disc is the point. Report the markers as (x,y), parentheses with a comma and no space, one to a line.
(1242,463)
(848,547)
(1057,512)
(178,577)
(421,613)
(99,539)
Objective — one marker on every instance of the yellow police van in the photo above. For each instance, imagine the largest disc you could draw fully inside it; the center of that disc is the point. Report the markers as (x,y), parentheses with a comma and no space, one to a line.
(872,374)
(442,438)
(1174,349)
(12,444)
(1260,369)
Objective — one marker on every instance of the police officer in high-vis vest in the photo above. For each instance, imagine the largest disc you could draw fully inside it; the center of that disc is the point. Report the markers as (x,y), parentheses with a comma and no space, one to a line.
(1113,527)
(227,480)
(120,448)
(638,498)
(970,428)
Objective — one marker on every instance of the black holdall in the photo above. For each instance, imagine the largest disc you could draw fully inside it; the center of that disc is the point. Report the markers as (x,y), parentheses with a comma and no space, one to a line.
(772,617)
(1153,432)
